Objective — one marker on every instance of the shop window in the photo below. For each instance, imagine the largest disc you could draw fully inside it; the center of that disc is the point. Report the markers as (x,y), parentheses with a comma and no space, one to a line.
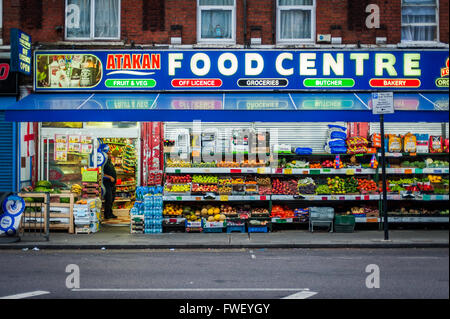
(295,21)
(217,19)
(92,19)
(419,21)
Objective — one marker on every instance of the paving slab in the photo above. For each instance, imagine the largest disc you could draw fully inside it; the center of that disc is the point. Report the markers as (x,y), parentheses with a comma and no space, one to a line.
(120,238)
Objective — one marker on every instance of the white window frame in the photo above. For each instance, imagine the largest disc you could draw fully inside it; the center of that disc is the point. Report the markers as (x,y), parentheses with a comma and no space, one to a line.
(92,22)
(403,41)
(312,8)
(233,23)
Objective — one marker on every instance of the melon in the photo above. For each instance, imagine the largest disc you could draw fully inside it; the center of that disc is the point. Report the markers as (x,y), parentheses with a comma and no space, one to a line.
(222,217)
(217,217)
(204,211)
(210,219)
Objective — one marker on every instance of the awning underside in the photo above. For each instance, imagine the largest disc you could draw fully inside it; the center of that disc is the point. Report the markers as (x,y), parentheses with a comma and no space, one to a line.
(224,107)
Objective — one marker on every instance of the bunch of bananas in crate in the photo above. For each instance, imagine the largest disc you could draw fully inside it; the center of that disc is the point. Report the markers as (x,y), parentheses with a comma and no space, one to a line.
(76,189)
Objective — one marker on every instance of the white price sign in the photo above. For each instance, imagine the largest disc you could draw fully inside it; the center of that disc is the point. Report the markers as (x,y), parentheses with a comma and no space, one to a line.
(383,103)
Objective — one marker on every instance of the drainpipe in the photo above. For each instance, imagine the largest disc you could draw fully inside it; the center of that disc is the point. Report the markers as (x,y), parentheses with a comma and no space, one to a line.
(245,25)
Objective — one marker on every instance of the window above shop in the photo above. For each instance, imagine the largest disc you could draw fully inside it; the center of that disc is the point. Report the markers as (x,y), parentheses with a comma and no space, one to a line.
(216,21)
(92,19)
(296,21)
(419,21)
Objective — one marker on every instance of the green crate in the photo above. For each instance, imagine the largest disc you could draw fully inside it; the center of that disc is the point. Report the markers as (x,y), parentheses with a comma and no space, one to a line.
(344,220)
(344,228)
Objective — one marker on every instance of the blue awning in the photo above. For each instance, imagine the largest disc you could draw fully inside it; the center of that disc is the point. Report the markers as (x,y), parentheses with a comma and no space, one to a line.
(224,107)
(6,102)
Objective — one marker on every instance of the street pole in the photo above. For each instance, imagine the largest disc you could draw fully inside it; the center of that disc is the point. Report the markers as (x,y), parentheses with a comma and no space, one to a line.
(383,171)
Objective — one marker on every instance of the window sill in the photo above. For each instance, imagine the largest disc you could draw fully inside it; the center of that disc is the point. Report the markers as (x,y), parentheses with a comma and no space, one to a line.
(230,45)
(422,45)
(117,42)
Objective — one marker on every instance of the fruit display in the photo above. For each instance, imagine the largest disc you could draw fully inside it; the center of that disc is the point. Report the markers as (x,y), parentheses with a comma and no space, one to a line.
(282,211)
(323,190)
(306,186)
(173,209)
(178,179)
(224,190)
(251,189)
(205,179)
(204,188)
(224,180)
(259,211)
(315,165)
(177,163)
(250,180)
(204,164)
(436,163)
(177,188)
(415,164)
(297,164)
(237,181)
(327,164)
(228,210)
(252,163)
(367,185)
(351,185)
(425,188)
(336,185)
(76,189)
(435,179)
(263,181)
(228,164)
(264,190)
(284,187)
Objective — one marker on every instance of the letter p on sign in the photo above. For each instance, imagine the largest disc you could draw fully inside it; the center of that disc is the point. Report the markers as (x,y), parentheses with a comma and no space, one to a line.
(373,280)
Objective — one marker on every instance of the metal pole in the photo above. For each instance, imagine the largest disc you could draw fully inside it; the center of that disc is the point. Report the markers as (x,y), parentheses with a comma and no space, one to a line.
(383,173)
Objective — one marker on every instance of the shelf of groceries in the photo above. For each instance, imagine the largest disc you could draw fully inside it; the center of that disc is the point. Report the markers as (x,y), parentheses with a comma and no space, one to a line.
(288,180)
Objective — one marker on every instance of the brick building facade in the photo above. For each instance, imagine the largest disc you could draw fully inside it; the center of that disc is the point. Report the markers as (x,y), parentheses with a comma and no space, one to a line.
(156,22)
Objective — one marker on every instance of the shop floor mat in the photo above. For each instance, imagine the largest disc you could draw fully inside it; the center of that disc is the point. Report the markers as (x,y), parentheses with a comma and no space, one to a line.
(120,220)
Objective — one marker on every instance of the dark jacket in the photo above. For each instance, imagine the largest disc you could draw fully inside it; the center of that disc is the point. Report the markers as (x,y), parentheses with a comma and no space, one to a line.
(109,169)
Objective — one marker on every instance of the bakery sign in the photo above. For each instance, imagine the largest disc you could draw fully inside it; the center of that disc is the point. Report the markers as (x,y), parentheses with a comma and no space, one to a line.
(240,70)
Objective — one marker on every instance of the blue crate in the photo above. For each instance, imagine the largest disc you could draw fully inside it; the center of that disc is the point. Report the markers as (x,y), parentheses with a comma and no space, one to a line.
(213,230)
(258,229)
(236,229)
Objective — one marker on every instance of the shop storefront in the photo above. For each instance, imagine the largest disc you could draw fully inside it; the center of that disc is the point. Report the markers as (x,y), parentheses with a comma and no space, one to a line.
(242,140)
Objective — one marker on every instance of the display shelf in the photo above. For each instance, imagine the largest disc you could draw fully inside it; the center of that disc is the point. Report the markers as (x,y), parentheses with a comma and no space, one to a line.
(221,198)
(418,219)
(418,197)
(325,197)
(417,171)
(324,171)
(218,170)
(387,154)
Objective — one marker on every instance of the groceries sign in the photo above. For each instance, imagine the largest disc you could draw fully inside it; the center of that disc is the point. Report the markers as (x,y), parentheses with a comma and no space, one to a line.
(241,70)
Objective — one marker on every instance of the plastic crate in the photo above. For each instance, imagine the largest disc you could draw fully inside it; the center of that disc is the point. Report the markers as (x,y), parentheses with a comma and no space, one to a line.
(213,230)
(236,229)
(344,220)
(258,229)
(344,228)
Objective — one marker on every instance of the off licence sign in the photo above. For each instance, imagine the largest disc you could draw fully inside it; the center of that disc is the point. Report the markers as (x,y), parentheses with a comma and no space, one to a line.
(383,102)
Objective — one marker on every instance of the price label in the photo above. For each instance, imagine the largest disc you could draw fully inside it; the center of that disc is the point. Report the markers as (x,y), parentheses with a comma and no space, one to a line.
(262,198)
(198,198)
(279,171)
(350,172)
(408,171)
(326,170)
(412,154)
(177,170)
(261,170)
(179,198)
(206,170)
(426,197)
(306,172)
(372,220)
(289,220)
(288,171)
(419,171)
(224,198)
(396,154)
(315,171)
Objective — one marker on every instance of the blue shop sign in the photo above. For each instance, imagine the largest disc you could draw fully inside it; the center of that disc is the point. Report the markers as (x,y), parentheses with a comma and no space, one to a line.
(241,70)
(20,51)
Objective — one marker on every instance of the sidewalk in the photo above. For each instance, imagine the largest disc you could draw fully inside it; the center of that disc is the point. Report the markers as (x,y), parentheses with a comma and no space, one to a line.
(120,238)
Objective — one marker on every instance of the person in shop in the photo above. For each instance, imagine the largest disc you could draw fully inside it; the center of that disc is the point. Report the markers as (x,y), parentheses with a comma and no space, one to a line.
(109,181)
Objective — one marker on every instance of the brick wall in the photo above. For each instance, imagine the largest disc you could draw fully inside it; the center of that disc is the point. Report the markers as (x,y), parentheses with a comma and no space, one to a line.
(341,18)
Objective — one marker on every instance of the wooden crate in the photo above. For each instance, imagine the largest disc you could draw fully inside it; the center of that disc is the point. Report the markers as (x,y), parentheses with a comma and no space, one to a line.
(69,226)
